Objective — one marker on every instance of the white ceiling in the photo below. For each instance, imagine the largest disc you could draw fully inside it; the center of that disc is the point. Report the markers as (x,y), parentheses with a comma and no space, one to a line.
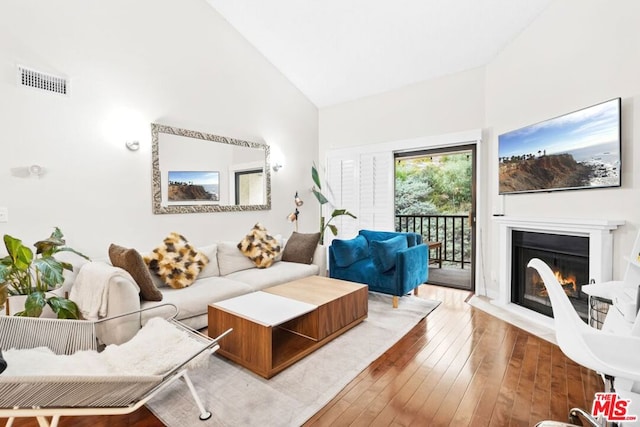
(339,50)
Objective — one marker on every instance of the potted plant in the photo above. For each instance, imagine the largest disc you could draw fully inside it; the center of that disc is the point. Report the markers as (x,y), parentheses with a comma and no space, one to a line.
(323,200)
(23,273)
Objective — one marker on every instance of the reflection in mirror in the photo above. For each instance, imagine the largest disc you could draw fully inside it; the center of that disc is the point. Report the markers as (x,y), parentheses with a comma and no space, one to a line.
(200,172)
(249,188)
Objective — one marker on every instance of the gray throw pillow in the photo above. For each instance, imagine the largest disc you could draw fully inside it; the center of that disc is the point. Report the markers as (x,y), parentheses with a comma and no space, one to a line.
(300,247)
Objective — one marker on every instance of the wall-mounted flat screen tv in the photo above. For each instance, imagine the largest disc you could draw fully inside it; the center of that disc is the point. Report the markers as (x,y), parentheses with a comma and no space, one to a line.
(575,151)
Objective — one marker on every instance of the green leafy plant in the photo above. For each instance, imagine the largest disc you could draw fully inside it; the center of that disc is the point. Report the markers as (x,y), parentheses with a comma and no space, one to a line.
(323,200)
(23,273)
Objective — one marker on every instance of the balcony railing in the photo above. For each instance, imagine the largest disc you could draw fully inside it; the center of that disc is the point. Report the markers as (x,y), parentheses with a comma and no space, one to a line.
(452,231)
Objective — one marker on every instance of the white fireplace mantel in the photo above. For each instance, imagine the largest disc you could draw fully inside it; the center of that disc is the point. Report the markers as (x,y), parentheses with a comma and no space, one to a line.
(599,232)
(564,225)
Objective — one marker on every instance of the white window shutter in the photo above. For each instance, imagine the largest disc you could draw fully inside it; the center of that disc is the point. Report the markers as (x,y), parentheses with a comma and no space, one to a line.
(342,194)
(363,184)
(377,191)
(367,191)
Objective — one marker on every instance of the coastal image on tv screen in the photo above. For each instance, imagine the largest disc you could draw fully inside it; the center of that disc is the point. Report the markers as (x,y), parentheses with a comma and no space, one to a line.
(194,186)
(577,150)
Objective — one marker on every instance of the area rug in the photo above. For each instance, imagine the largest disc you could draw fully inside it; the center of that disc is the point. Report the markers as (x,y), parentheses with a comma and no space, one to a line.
(237,397)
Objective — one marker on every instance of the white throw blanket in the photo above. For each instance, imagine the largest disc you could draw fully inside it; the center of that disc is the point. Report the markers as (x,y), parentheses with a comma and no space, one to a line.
(157,348)
(90,290)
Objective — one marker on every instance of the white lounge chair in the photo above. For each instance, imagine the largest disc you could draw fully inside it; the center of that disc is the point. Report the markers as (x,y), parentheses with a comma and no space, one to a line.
(56,395)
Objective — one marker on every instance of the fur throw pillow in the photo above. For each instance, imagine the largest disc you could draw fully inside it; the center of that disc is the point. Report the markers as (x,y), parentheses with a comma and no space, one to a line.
(259,246)
(176,261)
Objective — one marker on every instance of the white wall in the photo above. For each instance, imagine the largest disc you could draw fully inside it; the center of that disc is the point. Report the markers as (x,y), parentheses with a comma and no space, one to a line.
(130,64)
(577,53)
(448,104)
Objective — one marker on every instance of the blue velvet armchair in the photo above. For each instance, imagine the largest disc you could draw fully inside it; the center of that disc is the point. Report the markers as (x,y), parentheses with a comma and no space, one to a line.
(389,262)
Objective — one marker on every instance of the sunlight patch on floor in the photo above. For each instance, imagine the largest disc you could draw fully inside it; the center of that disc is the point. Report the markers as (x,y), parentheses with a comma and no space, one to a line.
(484,303)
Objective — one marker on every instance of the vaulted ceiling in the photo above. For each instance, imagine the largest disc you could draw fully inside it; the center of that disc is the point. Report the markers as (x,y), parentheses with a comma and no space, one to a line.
(339,50)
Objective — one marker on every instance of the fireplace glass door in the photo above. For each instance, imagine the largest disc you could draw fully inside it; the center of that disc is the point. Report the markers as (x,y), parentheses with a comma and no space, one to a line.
(567,256)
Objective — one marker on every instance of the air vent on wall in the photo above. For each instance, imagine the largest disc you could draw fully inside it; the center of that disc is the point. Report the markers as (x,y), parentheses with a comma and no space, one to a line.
(38,80)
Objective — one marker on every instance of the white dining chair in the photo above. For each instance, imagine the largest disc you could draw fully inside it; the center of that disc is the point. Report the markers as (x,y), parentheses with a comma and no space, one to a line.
(611,355)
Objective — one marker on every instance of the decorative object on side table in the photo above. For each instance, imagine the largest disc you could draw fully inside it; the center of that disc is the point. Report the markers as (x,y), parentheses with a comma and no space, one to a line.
(323,200)
(23,273)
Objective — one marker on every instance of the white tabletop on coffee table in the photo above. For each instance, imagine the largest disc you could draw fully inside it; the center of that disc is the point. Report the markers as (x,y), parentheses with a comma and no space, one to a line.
(265,308)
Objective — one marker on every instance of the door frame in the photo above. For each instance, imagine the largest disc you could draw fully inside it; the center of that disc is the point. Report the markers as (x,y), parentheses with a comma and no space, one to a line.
(472,148)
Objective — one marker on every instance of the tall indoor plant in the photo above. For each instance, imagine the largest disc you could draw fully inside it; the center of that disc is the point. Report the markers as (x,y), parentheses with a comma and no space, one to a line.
(323,200)
(23,273)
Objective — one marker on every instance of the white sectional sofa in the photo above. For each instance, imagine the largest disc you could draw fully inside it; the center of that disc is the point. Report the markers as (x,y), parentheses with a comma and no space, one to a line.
(228,274)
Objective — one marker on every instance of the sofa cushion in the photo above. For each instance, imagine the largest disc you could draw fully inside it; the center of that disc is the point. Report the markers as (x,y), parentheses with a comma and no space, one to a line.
(349,251)
(360,271)
(131,261)
(278,273)
(176,261)
(259,246)
(230,259)
(194,300)
(383,252)
(301,247)
(211,269)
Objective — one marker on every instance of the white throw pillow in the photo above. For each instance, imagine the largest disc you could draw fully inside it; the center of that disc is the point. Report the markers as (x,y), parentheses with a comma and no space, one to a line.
(211,269)
(230,259)
(281,242)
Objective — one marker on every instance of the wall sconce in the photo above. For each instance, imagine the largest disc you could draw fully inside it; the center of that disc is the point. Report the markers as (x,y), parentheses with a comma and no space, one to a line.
(28,171)
(278,161)
(133,145)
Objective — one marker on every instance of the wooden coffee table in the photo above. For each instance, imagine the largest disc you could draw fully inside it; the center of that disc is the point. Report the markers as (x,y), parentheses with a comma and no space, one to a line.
(276,327)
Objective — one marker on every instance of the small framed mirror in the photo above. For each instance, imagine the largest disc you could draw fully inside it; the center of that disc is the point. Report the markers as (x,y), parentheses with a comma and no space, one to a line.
(197,172)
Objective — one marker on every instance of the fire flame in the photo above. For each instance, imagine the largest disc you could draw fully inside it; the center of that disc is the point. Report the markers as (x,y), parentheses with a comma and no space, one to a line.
(569,284)
(567,281)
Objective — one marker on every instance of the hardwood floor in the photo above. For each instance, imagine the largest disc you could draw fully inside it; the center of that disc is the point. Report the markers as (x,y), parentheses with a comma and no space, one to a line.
(458,367)
(463,367)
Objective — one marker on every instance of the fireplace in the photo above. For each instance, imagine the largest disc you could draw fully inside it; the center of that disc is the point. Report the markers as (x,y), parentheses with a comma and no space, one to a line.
(598,232)
(568,257)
